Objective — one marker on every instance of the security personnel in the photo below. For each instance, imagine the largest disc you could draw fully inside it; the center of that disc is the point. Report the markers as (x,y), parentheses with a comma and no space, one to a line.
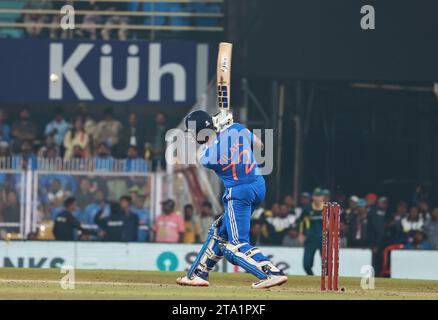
(66,225)
(121,224)
(311,229)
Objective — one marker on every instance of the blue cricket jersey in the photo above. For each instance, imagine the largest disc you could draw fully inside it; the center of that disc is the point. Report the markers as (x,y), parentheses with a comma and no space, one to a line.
(231,157)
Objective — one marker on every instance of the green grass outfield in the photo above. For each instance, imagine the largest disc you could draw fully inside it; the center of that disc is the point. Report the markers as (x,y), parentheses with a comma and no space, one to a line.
(116,284)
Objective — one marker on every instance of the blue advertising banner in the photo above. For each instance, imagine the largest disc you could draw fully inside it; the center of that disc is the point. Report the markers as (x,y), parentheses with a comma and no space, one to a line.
(136,72)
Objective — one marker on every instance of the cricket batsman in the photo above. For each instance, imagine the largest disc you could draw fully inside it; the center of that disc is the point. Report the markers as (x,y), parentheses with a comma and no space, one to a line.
(228,151)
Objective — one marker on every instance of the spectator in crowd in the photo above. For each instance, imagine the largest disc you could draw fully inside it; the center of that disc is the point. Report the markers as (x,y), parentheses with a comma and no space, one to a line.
(104,160)
(169,226)
(143,213)
(303,202)
(159,142)
(10,210)
(359,227)
(121,225)
(98,205)
(418,241)
(431,229)
(55,197)
(33,20)
(394,228)
(191,228)
(115,26)
(206,219)
(5,129)
(133,162)
(412,222)
(279,224)
(289,202)
(258,234)
(77,136)
(49,143)
(22,130)
(58,127)
(310,226)
(89,123)
(108,130)
(26,155)
(66,225)
(291,238)
(371,199)
(84,196)
(132,134)
(423,209)
(89,21)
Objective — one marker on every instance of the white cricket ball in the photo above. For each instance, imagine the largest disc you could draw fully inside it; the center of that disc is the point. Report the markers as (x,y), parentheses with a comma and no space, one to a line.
(54,77)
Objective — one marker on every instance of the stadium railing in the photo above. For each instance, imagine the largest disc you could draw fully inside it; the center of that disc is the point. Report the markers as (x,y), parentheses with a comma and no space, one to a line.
(32,192)
(11,10)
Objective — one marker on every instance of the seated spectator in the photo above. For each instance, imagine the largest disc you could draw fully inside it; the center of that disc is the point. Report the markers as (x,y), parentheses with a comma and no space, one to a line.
(55,197)
(431,229)
(291,239)
(10,210)
(191,228)
(5,129)
(26,157)
(115,26)
(49,143)
(133,162)
(413,222)
(144,216)
(104,161)
(108,130)
(22,130)
(58,127)
(394,228)
(206,219)
(89,21)
(423,209)
(279,223)
(84,196)
(66,225)
(258,234)
(33,30)
(359,227)
(418,242)
(289,202)
(76,136)
(260,214)
(121,225)
(169,226)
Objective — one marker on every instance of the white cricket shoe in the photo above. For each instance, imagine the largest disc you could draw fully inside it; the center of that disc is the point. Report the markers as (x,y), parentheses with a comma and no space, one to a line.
(195,282)
(269,282)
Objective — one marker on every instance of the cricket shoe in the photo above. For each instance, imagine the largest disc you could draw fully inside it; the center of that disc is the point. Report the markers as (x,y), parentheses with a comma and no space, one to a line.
(270,281)
(195,282)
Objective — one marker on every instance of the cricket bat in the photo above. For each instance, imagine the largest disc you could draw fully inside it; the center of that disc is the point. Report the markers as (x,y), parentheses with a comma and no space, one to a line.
(223,74)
